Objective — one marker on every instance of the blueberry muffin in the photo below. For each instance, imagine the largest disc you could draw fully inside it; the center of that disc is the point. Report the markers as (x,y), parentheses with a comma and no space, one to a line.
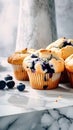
(16,60)
(62,47)
(44,69)
(69,68)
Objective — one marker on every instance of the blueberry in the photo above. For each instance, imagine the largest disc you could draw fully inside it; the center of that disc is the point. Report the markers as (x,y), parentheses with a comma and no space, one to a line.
(45,87)
(21,87)
(8,77)
(33,56)
(2,84)
(46,66)
(33,66)
(50,75)
(45,78)
(67,44)
(10,84)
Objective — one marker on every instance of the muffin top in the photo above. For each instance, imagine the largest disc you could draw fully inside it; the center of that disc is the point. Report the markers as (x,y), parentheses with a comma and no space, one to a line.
(69,63)
(44,61)
(63,47)
(17,57)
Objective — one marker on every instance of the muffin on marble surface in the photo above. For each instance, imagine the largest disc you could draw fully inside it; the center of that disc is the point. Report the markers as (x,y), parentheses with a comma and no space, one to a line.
(62,47)
(69,68)
(16,60)
(44,69)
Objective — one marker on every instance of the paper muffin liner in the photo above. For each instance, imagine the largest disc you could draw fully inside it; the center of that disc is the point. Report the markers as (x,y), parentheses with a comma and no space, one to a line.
(20,73)
(64,77)
(44,81)
(70,75)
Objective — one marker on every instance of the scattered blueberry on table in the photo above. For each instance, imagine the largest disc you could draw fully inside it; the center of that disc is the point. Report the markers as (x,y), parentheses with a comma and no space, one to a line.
(10,84)
(2,84)
(21,87)
(8,77)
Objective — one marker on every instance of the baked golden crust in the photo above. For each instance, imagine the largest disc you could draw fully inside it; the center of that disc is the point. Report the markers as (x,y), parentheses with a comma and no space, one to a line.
(45,61)
(58,43)
(17,57)
(69,63)
(62,47)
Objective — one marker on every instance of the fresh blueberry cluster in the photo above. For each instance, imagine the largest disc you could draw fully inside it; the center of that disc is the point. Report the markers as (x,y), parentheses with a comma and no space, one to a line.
(7,81)
(10,83)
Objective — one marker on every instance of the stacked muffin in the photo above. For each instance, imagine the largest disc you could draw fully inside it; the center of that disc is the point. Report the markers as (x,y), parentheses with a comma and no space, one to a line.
(45,68)
(63,48)
(69,68)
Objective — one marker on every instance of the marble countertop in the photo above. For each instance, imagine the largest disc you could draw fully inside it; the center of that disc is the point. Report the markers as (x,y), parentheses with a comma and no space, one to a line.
(15,102)
(35,109)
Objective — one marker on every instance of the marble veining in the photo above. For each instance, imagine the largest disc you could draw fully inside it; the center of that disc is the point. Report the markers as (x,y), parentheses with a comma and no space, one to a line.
(52,119)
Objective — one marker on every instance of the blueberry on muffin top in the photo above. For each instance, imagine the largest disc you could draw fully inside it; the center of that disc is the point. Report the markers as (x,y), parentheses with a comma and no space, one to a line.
(45,61)
(62,47)
(60,43)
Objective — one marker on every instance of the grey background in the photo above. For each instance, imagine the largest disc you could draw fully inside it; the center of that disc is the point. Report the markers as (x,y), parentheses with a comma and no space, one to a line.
(64,18)
(9,12)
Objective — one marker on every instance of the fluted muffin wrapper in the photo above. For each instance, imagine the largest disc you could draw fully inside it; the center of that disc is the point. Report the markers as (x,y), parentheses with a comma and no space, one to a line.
(44,81)
(70,75)
(20,73)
